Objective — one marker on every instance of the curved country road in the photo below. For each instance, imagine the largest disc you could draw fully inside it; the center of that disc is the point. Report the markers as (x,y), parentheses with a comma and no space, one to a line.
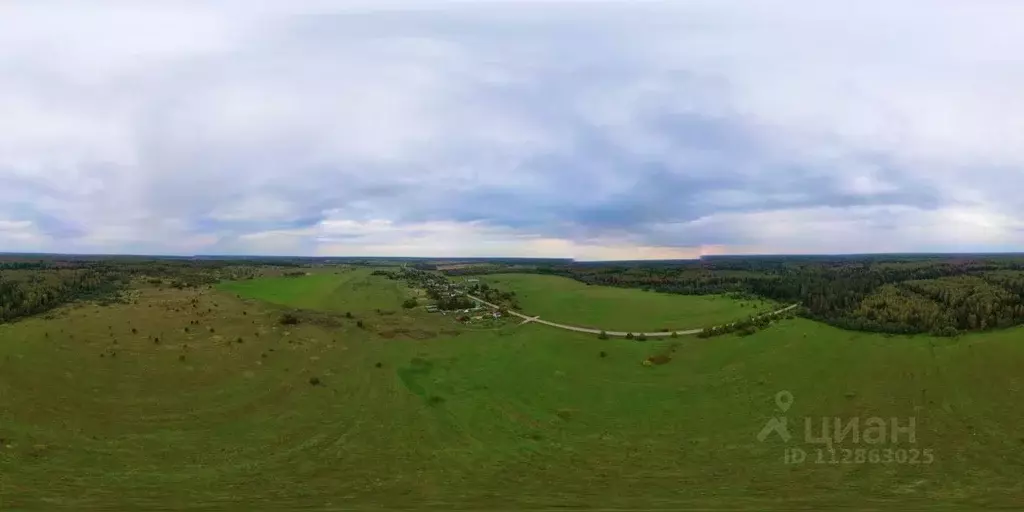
(609,333)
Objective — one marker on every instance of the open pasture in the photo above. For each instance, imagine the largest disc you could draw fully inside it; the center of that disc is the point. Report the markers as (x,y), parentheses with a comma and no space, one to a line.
(191,399)
(568,301)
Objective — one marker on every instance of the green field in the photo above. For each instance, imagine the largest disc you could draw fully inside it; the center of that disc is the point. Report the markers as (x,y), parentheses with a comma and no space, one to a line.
(567,301)
(338,291)
(96,416)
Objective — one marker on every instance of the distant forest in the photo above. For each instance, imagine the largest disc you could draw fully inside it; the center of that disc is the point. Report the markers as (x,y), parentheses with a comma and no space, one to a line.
(940,295)
(943,295)
(30,286)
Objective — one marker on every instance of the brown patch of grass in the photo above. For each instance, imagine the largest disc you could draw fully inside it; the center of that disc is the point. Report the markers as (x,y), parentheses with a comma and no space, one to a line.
(415,334)
(660,359)
(420,334)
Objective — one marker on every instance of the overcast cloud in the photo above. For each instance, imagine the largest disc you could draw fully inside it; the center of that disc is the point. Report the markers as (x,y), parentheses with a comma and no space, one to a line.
(612,130)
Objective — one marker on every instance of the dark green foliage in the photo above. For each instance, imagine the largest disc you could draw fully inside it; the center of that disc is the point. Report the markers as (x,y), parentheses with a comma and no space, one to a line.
(27,292)
(288,319)
(410,303)
(315,381)
(744,327)
(602,336)
(629,336)
(941,295)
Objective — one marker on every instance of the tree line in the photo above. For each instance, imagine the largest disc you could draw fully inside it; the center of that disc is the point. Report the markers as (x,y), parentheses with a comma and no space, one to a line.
(940,295)
(31,287)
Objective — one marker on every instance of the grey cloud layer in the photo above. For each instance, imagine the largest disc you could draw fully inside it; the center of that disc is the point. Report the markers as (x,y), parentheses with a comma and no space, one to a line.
(569,129)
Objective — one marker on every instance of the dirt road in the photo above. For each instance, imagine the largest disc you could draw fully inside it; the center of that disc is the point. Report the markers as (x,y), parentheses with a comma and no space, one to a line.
(589,330)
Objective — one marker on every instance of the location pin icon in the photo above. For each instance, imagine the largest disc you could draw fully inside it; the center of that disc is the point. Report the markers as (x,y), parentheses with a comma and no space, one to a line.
(784,399)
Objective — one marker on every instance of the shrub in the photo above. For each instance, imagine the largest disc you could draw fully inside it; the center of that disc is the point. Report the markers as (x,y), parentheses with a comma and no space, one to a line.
(359,324)
(135,331)
(641,337)
(629,336)
(315,381)
(602,336)
(378,365)
(348,314)
(410,303)
(675,334)
(239,340)
(288,319)
(604,354)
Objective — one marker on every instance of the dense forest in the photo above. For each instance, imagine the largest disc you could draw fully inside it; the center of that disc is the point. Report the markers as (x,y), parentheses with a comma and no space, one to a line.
(941,295)
(33,286)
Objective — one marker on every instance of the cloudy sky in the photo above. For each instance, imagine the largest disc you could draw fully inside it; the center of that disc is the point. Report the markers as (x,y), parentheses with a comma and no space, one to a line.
(594,130)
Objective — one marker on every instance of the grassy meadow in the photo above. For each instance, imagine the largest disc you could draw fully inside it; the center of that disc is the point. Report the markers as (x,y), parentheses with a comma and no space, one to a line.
(568,301)
(413,411)
(333,290)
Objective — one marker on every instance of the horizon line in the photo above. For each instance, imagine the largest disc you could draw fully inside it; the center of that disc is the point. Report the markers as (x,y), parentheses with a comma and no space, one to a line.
(512,258)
